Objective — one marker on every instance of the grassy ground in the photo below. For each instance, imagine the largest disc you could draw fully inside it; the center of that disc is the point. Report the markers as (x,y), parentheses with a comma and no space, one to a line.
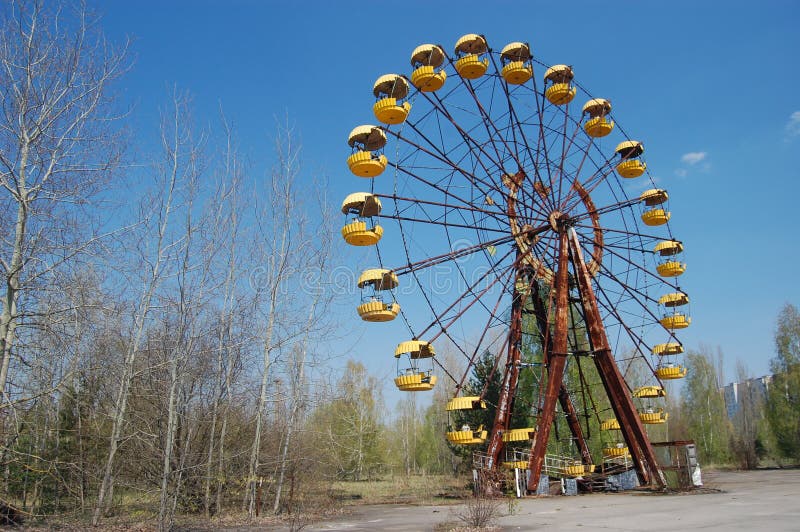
(429,489)
(137,510)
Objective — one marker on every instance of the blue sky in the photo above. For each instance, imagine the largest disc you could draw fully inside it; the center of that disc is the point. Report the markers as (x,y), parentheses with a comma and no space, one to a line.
(710,90)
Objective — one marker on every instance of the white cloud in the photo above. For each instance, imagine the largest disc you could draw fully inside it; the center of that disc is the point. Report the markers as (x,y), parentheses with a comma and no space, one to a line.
(680,172)
(693,157)
(793,125)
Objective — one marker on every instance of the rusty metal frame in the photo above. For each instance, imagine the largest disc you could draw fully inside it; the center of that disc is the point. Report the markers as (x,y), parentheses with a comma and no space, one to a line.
(631,426)
(632,429)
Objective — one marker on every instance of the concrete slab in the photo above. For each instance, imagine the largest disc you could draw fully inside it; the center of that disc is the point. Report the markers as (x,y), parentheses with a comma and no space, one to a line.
(748,500)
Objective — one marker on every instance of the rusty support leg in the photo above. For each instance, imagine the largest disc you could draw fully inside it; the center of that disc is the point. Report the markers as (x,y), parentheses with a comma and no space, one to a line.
(555,369)
(631,426)
(509,386)
(563,395)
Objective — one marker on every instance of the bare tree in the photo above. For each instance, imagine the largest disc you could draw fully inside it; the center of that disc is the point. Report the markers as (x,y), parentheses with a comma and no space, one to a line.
(58,148)
(318,254)
(228,229)
(280,229)
(156,248)
(186,300)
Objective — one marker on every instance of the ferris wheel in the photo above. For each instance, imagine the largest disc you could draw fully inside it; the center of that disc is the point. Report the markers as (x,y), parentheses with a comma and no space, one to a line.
(526,220)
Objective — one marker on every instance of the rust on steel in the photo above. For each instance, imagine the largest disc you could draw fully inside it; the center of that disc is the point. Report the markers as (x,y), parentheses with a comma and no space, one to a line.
(631,426)
(509,386)
(557,358)
(511,371)
(563,395)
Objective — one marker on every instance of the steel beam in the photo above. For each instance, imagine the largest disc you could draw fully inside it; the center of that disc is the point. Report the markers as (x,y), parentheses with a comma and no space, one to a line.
(502,414)
(621,402)
(563,394)
(556,361)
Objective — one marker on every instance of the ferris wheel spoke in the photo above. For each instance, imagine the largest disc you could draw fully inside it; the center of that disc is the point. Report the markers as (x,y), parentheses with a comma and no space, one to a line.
(449,206)
(661,281)
(637,340)
(498,159)
(404,206)
(495,265)
(588,187)
(498,276)
(634,295)
(497,133)
(564,151)
(456,254)
(545,250)
(444,369)
(516,128)
(439,222)
(439,155)
(499,215)
(539,105)
(586,151)
(498,357)
(479,344)
(607,209)
(623,232)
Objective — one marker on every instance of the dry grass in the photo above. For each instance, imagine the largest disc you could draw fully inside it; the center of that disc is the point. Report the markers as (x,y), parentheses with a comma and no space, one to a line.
(429,489)
(479,512)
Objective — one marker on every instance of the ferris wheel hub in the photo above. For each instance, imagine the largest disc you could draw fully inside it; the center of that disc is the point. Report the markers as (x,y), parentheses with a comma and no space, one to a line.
(556,220)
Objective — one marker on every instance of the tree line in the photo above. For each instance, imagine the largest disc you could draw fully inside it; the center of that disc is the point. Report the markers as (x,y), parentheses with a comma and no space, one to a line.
(764,427)
(161,312)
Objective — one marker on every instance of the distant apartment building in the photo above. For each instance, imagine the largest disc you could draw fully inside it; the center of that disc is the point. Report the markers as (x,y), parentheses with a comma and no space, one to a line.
(735,391)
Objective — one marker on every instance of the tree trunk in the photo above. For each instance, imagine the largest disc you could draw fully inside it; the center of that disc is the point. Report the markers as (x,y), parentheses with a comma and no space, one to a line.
(121,402)
(164,516)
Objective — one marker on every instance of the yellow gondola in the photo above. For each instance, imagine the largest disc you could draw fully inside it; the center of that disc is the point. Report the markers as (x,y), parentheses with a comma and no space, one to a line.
(373,308)
(516,60)
(674,299)
(360,230)
(653,417)
(653,197)
(674,319)
(519,434)
(649,392)
(516,464)
(667,349)
(669,265)
(610,424)
(630,166)
(671,371)
(561,91)
(616,452)
(597,124)
(414,378)
(657,216)
(367,143)
(472,402)
(467,436)
(391,90)
(470,63)
(415,382)
(415,349)
(574,470)
(425,59)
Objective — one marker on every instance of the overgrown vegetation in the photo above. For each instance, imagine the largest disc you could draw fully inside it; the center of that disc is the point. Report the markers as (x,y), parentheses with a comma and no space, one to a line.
(759,425)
